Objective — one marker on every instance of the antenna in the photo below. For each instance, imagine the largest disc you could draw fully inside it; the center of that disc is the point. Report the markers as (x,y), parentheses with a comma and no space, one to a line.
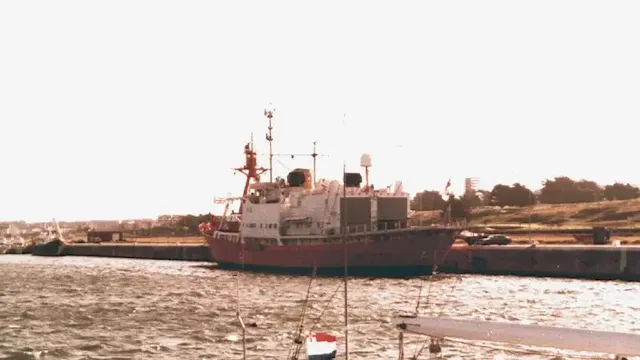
(314,155)
(269,115)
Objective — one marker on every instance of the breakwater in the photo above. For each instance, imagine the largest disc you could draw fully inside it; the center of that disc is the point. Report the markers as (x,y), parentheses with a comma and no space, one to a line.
(598,262)
(186,252)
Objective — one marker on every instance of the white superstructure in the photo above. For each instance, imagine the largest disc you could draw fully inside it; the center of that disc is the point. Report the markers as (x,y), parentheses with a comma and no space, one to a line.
(272,210)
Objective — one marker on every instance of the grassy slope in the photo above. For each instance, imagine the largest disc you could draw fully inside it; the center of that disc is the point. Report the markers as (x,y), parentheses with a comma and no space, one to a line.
(624,213)
(613,214)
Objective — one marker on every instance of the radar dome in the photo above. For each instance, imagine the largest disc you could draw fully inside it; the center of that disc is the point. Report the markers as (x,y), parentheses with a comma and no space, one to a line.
(365,160)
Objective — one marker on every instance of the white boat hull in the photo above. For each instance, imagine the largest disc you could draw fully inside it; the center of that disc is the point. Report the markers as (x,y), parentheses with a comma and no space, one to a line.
(616,343)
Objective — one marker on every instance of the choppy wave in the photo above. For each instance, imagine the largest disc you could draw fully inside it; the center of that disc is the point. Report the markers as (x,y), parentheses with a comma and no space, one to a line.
(97,308)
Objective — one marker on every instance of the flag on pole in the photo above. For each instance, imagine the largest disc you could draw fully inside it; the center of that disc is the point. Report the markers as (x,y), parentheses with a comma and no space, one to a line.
(321,346)
(447,193)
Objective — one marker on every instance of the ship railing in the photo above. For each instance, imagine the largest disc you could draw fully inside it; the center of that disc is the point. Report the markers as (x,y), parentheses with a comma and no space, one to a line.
(355,229)
(386,226)
(455,224)
(399,225)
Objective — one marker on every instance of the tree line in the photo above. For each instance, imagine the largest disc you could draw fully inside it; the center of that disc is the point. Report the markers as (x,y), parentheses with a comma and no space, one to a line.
(187,225)
(560,190)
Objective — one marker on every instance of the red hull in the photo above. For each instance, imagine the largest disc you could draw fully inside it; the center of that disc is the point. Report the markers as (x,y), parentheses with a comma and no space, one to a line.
(404,252)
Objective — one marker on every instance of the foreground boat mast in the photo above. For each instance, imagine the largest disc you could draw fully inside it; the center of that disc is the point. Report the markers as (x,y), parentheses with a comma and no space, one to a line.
(346,272)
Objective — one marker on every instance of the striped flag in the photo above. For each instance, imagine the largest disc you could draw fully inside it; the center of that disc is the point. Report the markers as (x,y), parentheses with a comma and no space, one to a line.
(446,188)
(321,346)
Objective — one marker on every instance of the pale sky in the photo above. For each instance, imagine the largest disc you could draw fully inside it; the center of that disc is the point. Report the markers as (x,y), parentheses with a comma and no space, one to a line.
(130,109)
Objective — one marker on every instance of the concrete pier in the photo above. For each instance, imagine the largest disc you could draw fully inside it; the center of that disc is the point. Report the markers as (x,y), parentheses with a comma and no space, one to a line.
(598,262)
(188,252)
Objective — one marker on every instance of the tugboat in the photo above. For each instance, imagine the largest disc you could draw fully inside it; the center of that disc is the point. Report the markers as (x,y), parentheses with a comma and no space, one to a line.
(296,225)
(51,242)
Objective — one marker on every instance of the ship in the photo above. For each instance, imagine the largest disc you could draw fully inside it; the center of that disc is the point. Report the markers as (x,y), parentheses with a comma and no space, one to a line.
(297,225)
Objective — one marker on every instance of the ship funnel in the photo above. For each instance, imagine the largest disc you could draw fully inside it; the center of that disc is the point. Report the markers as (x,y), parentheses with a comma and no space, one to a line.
(300,178)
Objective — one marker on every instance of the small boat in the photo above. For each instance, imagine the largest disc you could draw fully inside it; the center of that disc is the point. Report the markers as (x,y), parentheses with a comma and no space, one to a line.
(50,242)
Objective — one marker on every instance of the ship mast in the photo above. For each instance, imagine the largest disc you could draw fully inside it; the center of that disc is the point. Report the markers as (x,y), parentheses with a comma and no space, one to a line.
(269,115)
(314,155)
(250,170)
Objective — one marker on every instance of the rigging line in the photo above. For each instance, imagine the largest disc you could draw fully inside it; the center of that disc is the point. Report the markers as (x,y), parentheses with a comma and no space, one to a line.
(431,280)
(244,330)
(326,306)
(283,165)
(435,269)
(346,247)
(419,296)
(447,302)
(428,339)
(297,341)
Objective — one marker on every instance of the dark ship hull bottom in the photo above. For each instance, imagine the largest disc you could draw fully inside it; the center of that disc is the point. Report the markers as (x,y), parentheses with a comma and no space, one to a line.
(410,252)
(355,271)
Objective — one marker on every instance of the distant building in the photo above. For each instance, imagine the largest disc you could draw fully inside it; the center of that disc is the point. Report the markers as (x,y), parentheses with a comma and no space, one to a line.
(470,185)
(104,224)
(92,236)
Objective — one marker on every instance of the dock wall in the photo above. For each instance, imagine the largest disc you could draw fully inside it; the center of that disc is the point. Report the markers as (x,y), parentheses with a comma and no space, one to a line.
(586,262)
(141,251)
(599,262)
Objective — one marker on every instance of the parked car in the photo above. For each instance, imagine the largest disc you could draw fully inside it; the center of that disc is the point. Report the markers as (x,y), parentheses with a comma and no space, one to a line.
(95,240)
(483,239)
(495,239)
